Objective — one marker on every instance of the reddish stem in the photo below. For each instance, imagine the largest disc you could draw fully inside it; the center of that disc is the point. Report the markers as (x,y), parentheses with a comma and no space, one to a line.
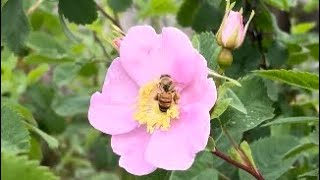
(246,168)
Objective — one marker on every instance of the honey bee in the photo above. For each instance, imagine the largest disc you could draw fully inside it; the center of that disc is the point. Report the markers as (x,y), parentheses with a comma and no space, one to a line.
(166,93)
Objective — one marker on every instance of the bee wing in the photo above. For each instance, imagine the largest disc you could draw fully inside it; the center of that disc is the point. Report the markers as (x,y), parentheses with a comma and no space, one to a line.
(178,86)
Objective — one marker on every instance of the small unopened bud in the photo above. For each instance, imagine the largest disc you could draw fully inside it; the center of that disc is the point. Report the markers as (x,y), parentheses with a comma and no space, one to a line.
(225,58)
(232,31)
(116,43)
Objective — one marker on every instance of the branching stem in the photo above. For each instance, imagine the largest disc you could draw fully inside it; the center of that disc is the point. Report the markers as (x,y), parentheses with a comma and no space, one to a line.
(246,168)
(113,20)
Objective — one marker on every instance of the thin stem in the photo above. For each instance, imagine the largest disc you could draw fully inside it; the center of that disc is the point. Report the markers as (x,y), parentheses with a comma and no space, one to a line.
(235,145)
(218,75)
(34,6)
(237,164)
(243,155)
(104,13)
(258,36)
(96,38)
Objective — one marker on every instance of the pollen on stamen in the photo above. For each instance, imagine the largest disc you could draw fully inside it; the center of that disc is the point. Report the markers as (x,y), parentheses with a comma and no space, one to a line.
(148,112)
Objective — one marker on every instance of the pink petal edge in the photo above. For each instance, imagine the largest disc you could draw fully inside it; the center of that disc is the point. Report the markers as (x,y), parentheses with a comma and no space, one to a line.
(131,147)
(176,149)
(111,111)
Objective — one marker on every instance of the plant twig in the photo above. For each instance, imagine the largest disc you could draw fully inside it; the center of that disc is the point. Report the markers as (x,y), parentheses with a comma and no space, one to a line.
(96,38)
(246,168)
(104,13)
(243,155)
(34,6)
(235,145)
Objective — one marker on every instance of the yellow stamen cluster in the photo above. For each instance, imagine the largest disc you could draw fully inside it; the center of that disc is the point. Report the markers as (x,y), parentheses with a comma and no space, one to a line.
(148,112)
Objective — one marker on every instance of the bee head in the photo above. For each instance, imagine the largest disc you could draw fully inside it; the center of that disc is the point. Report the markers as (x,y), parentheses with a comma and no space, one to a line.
(164,75)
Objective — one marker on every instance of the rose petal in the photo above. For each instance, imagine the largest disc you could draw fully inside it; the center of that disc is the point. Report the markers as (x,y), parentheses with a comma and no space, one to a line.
(110,119)
(169,53)
(242,33)
(176,148)
(186,63)
(131,147)
(202,91)
(137,52)
(118,87)
(111,111)
(233,22)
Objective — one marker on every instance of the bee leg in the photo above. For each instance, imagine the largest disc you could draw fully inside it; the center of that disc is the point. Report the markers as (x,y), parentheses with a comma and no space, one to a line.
(176,97)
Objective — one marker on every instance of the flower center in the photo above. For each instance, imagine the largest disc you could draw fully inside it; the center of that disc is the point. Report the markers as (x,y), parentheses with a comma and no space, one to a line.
(152,114)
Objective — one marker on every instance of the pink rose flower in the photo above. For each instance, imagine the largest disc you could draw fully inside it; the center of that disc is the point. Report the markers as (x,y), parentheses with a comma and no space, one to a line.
(232,31)
(145,137)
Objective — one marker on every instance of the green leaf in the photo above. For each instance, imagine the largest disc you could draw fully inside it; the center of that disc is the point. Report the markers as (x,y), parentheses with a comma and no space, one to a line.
(45,45)
(235,102)
(311,6)
(202,168)
(88,69)
(14,26)
(24,112)
(302,27)
(314,50)
(38,59)
(20,168)
(226,97)
(263,19)
(291,120)
(246,149)
(220,107)
(35,152)
(78,11)
(234,154)
(187,11)
(14,136)
(201,15)
(207,46)
(35,74)
(2,3)
(282,4)
(71,105)
(245,59)
(301,148)
(314,136)
(38,99)
(277,55)
(207,17)
(254,97)
(51,141)
(63,74)
(159,7)
(268,155)
(46,21)
(119,6)
(312,173)
(158,174)
(104,176)
(272,88)
(297,54)
(101,153)
(210,145)
(66,30)
(244,146)
(301,79)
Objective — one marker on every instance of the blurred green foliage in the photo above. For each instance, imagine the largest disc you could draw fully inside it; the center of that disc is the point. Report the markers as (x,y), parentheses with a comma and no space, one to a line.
(55,53)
